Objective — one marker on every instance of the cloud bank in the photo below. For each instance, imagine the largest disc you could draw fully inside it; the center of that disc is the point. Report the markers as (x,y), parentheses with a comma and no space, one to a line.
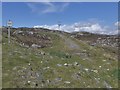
(117,24)
(47,7)
(78,27)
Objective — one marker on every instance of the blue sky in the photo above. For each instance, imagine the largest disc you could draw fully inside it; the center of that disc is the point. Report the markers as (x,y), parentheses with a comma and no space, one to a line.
(95,17)
(30,14)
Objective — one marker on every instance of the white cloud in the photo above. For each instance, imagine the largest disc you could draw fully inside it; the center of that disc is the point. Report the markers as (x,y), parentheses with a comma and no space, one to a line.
(117,24)
(77,27)
(64,6)
(32,7)
(48,7)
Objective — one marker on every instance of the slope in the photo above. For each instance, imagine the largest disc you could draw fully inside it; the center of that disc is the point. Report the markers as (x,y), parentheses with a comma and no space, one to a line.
(64,62)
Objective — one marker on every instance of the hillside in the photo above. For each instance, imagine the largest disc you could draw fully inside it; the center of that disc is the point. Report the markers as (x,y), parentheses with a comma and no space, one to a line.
(41,58)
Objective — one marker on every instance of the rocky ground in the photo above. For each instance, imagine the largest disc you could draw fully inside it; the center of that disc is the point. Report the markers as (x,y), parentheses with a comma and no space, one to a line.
(40,58)
(97,39)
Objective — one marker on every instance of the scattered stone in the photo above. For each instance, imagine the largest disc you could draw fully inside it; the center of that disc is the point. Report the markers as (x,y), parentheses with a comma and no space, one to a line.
(37,75)
(28,82)
(46,68)
(104,60)
(69,64)
(23,44)
(42,53)
(67,82)
(30,33)
(97,80)
(18,32)
(84,50)
(83,59)
(109,76)
(24,68)
(100,66)
(59,65)
(107,85)
(86,69)
(95,71)
(88,86)
(26,46)
(65,64)
(35,46)
(93,44)
(15,68)
(51,57)
(68,56)
(76,76)
(21,56)
(76,63)
(29,64)
(41,61)
(58,79)
(48,81)
(23,77)
(4,43)
(108,63)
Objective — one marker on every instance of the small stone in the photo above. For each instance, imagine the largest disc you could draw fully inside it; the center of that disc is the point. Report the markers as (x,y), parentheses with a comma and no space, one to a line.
(14,68)
(41,61)
(59,65)
(29,64)
(69,64)
(21,57)
(37,75)
(88,86)
(30,32)
(108,63)
(4,43)
(24,68)
(48,81)
(107,85)
(59,79)
(84,50)
(104,60)
(23,77)
(35,46)
(96,71)
(48,67)
(98,78)
(42,53)
(67,82)
(29,81)
(51,57)
(65,64)
(76,63)
(86,69)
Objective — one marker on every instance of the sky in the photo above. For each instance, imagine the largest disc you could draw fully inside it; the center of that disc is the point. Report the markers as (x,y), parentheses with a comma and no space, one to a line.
(73,16)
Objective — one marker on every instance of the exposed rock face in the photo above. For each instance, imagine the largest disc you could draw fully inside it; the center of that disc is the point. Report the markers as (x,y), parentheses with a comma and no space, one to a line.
(32,39)
(97,39)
